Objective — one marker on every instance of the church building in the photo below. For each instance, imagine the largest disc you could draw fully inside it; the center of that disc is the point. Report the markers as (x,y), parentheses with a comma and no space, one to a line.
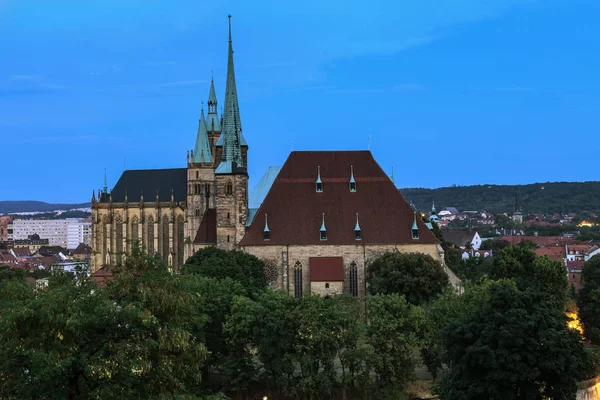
(317,221)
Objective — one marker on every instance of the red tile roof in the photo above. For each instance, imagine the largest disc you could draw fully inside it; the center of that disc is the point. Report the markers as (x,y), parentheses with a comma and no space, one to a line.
(295,209)
(326,269)
(82,249)
(554,252)
(207,231)
(574,266)
(22,251)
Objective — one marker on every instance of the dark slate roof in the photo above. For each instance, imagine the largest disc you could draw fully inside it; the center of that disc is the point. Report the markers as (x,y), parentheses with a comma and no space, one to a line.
(149,180)
(295,209)
(207,231)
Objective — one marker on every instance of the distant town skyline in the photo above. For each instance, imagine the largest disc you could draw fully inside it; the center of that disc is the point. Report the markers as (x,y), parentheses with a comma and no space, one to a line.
(449,92)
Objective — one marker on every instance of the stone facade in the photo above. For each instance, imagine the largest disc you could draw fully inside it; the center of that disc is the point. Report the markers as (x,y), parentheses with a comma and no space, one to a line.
(289,259)
(157,226)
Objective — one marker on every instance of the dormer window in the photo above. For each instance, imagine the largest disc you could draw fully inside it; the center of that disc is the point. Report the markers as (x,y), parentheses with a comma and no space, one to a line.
(323,230)
(352,180)
(266,231)
(319,183)
(357,231)
(415,229)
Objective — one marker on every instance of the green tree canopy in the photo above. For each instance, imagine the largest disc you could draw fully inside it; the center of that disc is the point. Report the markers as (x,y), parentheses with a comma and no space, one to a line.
(511,345)
(417,276)
(589,299)
(132,339)
(237,265)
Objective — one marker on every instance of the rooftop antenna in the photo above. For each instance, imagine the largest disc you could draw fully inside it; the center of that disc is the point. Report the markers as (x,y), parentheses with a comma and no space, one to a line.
(292,145)
(124,163)
(369,142)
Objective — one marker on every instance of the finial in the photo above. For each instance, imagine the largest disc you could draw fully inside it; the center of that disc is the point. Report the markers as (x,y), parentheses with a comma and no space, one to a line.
(172,196)
(212,76)
(393,175)
(105,185)
(125,195)
(93,196)
(229,16)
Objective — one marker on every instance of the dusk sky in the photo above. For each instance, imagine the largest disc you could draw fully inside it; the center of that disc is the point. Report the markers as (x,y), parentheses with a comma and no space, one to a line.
(450,91)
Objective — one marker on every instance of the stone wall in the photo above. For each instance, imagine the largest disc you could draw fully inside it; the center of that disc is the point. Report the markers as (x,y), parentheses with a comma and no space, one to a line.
(286,258)
(589,390)
(327,288)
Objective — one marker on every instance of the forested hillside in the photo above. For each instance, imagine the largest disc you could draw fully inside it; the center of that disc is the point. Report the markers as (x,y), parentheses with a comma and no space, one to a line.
(556,197)
(33,206)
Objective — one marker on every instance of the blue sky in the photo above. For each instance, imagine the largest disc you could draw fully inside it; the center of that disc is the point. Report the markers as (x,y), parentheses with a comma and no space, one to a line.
(450,91)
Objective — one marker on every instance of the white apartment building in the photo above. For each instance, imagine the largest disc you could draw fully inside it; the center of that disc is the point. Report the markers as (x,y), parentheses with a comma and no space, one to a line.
(68,233)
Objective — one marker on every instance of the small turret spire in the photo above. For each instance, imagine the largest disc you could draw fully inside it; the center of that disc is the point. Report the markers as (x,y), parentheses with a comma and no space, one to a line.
(105,185)
(93,196)
(202,152)
(356,226)
(323,230)
(433,207)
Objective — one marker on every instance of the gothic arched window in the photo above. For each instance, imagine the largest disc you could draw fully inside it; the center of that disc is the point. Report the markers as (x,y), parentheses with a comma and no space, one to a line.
(271,273)
(229,189)
(134,231)
(150,229)
(165,239)
(353,279)
(180,240)
(298,279)
(119,238)
(197,212)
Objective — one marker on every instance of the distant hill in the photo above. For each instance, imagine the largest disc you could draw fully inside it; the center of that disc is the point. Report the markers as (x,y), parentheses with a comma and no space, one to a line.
(549,197)
(33,206)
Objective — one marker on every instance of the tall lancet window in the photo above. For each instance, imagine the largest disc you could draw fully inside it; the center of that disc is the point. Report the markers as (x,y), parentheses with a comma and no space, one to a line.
(323,230)
(415,229)
(298,279)
(352,180)
(353,275)
(319,183)
(357,231)
(266,231)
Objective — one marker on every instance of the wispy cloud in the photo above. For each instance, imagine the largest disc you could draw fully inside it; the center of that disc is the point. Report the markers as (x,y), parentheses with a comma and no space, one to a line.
(181,83)
(26,78)
(158,63)
(94,138)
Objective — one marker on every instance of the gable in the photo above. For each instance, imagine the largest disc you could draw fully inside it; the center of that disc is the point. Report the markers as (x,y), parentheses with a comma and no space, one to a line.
(295,210)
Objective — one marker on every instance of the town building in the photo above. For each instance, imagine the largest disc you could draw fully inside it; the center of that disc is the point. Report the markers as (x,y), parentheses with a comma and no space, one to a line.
(69,232)
(317,221)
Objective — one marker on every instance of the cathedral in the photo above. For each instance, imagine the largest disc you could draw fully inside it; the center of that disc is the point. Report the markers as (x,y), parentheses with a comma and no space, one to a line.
(316,221)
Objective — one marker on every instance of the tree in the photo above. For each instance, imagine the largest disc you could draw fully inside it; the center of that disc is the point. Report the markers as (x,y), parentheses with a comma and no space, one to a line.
(8,273)
(589,299)
(132,339)
(539,274)
(216,300)
(415,275)
(237,265)
(392,332)
(504,222)
(511,345)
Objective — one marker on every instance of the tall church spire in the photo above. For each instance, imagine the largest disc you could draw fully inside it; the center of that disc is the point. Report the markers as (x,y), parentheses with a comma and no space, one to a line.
(231,135)
(202,153)
(213,122)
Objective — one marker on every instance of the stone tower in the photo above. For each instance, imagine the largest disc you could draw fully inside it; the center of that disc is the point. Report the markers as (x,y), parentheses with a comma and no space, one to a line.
(231,174)
(200,177)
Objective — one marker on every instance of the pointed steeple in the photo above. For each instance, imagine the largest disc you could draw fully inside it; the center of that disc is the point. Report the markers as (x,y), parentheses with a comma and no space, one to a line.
(105,190)
(232,126)
(231,114)
(213,123)
(202,153)
(433,207)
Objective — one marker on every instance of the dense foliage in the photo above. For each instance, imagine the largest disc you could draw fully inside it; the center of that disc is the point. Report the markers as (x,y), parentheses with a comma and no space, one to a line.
(512,345)
(214,326)
(557,197)
(589,299)
(417,276)
(237,265)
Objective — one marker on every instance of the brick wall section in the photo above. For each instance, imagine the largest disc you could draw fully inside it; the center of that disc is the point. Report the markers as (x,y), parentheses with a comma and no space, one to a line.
(319,288)
(232,210)
(285,257)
